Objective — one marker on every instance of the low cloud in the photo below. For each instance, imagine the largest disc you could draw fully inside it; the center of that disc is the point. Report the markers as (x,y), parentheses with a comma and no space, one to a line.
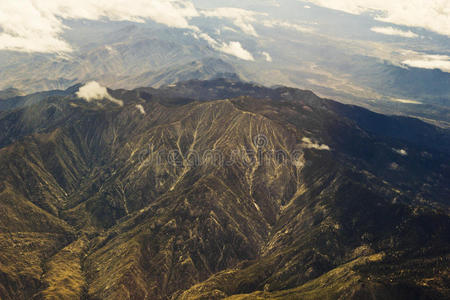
(394,31)
(429,14)
(92,91)
(267,56)
(140,108)
(228,28)
(241,18)
(405,101)
(236,49)
(31,27)
(287,25)
(24,27)
(37,27)
(232,48)
(309,144)
(402,152)
(244,20)
(425,61)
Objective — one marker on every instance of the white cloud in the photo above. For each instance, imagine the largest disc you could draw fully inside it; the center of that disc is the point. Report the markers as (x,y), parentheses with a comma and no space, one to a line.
(232,48)
(235,48)
(37,27)
(287,25)
(307,6)
(441,62)
(140,108)
(402,152)
(241,18)
(244,20)
(92,91)
(25,28)
(173,13)
(267,56)
(307,143)
(429,14)
(31,27)
(427,61)
(405,101)
(394,31)
(201,35)
(229,29)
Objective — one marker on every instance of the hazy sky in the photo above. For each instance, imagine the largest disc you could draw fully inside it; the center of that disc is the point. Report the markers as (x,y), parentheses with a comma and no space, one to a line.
(39,25)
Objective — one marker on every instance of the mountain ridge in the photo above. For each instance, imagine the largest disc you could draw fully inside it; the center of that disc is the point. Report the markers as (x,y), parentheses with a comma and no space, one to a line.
(177,202)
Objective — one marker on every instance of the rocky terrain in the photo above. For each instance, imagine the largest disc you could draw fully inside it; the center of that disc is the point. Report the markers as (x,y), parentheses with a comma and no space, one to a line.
(220,190)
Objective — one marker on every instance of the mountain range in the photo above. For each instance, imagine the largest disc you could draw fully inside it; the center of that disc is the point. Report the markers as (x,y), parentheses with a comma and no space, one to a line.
(219,189)
(131,55)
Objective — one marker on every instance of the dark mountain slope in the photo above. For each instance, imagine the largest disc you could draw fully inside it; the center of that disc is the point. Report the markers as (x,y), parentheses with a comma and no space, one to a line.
(9,93)
(220,189)
(18,101)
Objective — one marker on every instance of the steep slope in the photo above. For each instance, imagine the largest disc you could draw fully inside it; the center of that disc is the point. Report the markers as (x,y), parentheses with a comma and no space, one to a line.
(221,189)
